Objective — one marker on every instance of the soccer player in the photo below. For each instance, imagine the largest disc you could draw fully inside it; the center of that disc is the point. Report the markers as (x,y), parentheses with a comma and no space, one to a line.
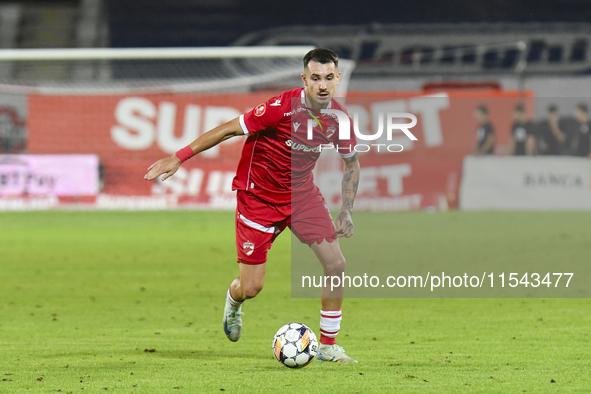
(275,189)
(523,141)
(485,134)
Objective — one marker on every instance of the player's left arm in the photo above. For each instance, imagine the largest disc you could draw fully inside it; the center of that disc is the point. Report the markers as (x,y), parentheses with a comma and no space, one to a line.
(350,183)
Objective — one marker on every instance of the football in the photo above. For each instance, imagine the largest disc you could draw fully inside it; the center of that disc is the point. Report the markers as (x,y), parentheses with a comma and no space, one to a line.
(295,345)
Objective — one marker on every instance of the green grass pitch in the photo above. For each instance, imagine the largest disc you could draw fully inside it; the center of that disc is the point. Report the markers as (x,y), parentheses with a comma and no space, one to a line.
(132,302)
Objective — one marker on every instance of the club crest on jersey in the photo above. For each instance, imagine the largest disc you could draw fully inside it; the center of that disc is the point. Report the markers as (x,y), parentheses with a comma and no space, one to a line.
(260,109)
(248,248)
(331,130)
(296,126)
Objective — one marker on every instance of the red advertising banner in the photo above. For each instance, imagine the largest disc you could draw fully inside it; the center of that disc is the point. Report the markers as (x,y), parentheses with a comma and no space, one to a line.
(128,133)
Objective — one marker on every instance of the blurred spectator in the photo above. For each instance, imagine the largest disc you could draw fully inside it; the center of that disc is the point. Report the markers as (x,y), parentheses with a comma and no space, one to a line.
(580,143)
(523,140)
(550,136)
(485,134)
(13,137)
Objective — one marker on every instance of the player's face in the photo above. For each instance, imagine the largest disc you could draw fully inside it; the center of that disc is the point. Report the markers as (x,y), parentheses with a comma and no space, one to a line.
(321,81)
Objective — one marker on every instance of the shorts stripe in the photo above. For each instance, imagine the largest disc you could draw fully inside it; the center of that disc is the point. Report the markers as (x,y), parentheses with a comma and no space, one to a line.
(256,226)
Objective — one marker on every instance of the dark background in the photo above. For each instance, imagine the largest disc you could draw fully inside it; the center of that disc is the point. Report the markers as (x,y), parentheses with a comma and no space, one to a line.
(154,23)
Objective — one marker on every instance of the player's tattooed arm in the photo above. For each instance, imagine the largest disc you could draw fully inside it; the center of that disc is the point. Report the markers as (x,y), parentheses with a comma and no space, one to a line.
(350,183)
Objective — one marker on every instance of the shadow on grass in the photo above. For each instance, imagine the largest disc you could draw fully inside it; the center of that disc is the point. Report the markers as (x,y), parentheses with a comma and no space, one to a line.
(220,354)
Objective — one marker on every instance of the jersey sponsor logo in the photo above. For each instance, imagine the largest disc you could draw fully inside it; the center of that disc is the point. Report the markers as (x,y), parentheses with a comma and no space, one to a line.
(260,109)
(295,111)
(303,147)
(248,248)
(277,103)
(296,126)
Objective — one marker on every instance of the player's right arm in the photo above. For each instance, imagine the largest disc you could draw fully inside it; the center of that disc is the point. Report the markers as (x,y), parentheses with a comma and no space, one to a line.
(169,165)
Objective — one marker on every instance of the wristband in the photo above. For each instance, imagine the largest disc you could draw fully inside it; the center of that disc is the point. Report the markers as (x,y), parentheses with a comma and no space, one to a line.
(185,154)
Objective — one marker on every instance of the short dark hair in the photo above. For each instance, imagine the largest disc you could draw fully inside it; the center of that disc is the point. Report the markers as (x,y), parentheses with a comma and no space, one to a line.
(483,109)
(322,56)
(519,108)
(552,108)
(583,107)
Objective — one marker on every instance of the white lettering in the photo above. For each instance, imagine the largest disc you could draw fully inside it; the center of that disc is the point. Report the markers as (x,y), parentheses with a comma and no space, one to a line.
(167,140)
(135,130)
(428,108)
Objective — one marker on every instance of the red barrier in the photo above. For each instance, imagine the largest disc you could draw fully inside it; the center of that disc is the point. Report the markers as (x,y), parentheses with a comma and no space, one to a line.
(128,133)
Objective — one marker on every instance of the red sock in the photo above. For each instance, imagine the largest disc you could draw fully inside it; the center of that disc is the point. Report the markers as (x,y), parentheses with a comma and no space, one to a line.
(327,340)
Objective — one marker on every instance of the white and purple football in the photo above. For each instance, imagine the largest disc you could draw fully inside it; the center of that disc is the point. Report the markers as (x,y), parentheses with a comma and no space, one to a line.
(295,345)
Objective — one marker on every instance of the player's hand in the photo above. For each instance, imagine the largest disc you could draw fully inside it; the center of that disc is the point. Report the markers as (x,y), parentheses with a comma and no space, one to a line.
(345,227)
(167,166)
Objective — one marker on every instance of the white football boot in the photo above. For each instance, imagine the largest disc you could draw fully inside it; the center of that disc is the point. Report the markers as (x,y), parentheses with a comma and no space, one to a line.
(232,322)
(334,353)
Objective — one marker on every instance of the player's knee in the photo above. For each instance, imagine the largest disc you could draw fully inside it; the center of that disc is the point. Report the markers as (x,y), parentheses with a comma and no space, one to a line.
(335,266)
(252,289)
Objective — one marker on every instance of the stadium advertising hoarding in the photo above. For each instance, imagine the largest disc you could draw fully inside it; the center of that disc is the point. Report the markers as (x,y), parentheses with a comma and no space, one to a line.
(526,183)
(45,178)
(128,133)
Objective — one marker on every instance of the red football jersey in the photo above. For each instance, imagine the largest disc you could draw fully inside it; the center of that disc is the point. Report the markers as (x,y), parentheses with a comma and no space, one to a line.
(277,156)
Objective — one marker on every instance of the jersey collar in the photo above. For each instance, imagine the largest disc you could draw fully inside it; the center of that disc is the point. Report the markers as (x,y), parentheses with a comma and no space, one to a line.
(303,94)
